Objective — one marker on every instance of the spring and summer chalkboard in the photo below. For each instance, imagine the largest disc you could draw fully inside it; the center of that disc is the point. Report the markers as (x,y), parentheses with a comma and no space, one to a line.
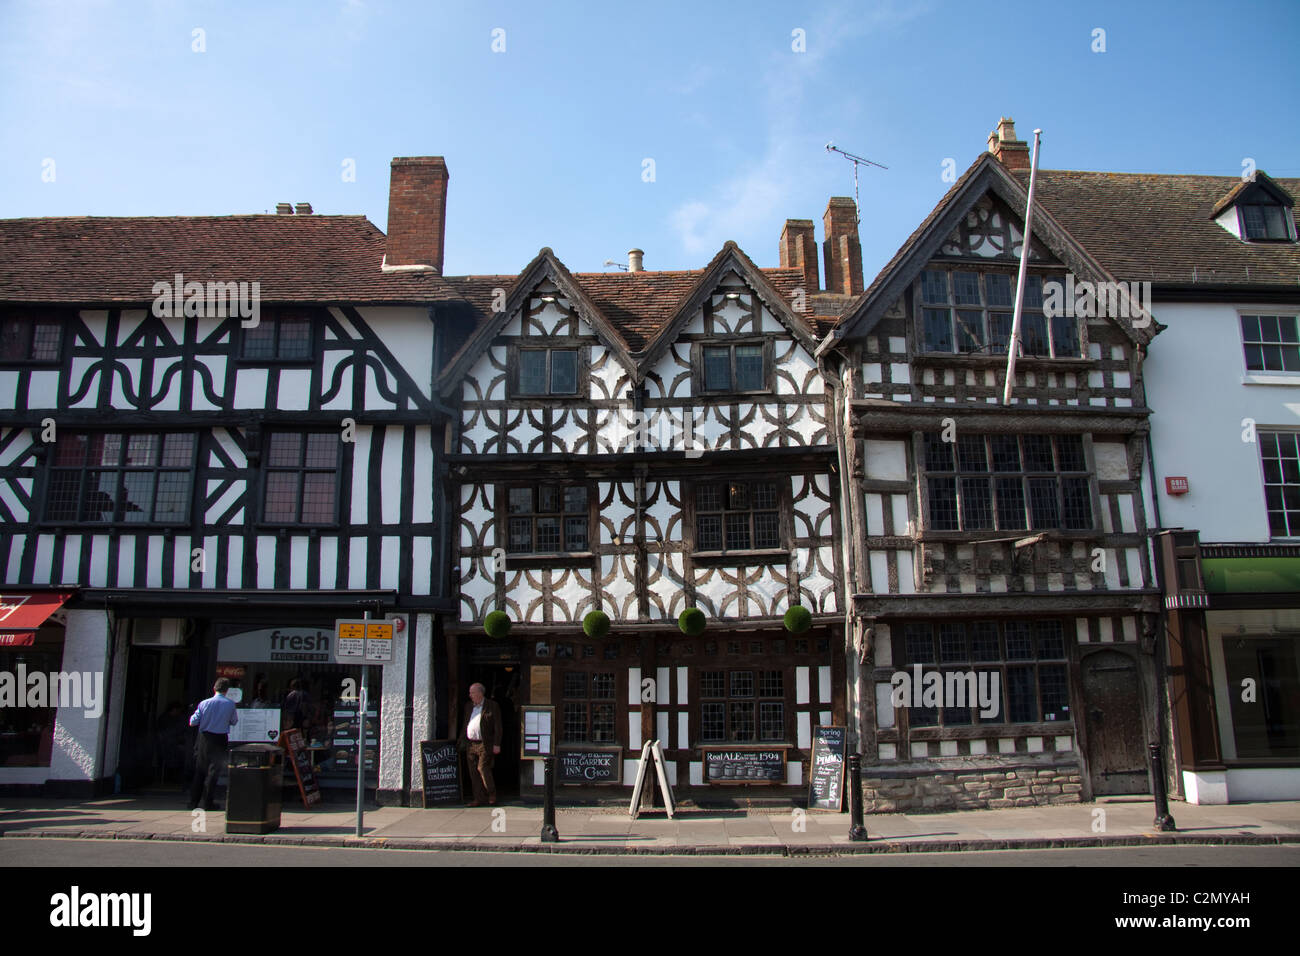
(826,778)
(303,771)
(441,762)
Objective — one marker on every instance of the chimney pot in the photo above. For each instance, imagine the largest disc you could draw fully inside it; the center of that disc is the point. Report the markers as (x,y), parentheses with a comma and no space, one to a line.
(417,210)
(634,260)
(1010,152)
(302,209)
(284,209)
(842,249)
(799,251)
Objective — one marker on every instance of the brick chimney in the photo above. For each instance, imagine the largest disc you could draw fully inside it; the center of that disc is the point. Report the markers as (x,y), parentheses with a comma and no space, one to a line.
(799,251)
(1011,152)
(841,248)
(417,208)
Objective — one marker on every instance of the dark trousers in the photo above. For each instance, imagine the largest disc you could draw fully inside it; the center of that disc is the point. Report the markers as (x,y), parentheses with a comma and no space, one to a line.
(210,755)
(479,758)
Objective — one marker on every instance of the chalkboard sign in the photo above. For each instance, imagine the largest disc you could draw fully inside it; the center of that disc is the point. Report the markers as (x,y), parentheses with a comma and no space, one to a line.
(744,766)
(591,766)
(303,771)
(826,779)
(441,762)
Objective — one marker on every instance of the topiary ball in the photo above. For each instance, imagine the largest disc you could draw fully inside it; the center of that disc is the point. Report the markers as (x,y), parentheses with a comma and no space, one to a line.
(497,624)
(798,619)
(692,622)
(596,624)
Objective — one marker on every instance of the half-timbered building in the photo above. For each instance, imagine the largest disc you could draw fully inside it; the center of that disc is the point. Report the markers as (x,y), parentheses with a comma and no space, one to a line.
(1003,598)
(218,435)
(642,444)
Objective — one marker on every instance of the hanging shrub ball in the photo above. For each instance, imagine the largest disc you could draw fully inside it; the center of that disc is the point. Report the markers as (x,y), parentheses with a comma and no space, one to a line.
(596,624)
(692,622)
(497,624)
(798,619)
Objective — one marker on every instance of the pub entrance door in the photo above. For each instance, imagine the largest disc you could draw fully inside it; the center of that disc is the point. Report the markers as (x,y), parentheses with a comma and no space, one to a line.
(501,680)
(1112,693)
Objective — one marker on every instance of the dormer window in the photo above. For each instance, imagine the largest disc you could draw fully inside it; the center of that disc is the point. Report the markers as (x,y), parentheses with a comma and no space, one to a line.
(1261,221)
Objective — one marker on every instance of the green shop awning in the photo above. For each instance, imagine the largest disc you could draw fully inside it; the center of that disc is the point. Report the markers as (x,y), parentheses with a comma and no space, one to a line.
(1251,575)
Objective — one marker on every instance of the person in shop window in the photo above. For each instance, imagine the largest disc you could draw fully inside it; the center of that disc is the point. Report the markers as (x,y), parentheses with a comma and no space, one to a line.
(298,707)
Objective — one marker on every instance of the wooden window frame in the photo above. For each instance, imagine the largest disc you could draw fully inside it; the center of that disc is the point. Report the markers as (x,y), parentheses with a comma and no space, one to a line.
(1261,437)
(757,699)
(33,319)
(561,698)
(276,319)
(1288,224)
(785,508)
(1024,475)
(768,344)
(549,344)
(546,558)
(1261,343)
(301,470)
(987,310)
(903,663)
(51,468)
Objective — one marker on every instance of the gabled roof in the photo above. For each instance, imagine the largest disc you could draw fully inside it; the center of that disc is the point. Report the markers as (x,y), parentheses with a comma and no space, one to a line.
(544,266)
(985,175)
(1160,228)
(729,258)
(636,313)
(299,258)
(1260,183)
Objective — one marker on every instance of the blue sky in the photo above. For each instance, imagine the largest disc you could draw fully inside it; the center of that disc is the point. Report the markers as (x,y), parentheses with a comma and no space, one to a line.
(546,141)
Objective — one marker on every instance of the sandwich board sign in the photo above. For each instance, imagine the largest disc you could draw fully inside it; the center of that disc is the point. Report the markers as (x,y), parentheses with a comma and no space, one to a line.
(651,752)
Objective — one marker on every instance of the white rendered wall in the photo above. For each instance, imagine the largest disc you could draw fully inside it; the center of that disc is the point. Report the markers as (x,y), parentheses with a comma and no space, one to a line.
(1200,391)
(76,736)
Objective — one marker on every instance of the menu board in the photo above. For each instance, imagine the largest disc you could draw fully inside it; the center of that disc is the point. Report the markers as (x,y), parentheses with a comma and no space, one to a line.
(441,762)
(826,779)
(300,761)
(343,744)
(593,767)
(258,726)
(744,766)
(538,737)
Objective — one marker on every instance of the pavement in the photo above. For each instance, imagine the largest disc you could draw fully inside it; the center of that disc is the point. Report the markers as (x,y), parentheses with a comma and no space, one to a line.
(1115,821)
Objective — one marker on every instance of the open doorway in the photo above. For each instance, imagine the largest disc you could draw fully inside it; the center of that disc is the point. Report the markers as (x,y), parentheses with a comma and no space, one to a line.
(501,680)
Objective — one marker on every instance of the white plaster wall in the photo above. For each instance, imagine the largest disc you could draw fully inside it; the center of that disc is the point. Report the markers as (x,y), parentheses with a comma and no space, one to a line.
(408,334)
(423,705)
(1194,379)
(76,737)
(392,710)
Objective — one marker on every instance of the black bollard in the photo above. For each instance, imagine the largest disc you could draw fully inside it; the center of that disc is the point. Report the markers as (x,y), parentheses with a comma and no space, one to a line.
(549,833)
(857,832)
(1164,821)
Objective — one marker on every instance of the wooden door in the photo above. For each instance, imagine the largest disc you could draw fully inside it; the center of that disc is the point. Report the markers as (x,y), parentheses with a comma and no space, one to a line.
(1112,696)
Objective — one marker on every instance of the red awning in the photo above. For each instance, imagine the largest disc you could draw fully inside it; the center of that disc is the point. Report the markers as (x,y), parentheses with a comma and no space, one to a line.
(22,614)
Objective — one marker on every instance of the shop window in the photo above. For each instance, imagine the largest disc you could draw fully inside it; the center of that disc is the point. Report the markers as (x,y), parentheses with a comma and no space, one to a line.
(1027,657)
(30,338)
(283,338)
(547,518)
(742,706)
(1008,482)
(1269,725)
(121,478)
(739,515)
(301,478)
(587,709)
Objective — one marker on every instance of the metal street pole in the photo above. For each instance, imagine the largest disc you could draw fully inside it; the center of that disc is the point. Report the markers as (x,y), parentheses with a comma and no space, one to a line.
(549,833)
(361,734)
(857,832)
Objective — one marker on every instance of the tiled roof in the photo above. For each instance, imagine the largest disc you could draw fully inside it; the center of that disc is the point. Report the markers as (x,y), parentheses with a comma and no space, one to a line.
(1159,227)
(638,305)
(299,258)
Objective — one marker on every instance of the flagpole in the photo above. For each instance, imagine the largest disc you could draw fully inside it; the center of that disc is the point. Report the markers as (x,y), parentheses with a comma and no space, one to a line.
(1014,345)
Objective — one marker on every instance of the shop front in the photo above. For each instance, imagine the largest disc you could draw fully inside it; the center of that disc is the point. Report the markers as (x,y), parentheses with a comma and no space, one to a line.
(732,708)
(1234,632)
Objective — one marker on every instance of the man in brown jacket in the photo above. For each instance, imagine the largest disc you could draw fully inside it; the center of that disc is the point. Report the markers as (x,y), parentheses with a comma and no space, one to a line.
(480,737)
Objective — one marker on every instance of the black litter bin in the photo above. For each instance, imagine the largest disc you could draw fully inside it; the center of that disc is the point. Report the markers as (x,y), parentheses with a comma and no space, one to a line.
(256,778)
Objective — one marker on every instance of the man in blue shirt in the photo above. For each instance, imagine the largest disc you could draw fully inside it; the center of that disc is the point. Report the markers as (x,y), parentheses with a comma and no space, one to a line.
(214,718)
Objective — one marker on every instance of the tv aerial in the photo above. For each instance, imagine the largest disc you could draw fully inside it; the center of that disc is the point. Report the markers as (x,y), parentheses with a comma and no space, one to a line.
(856,161)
